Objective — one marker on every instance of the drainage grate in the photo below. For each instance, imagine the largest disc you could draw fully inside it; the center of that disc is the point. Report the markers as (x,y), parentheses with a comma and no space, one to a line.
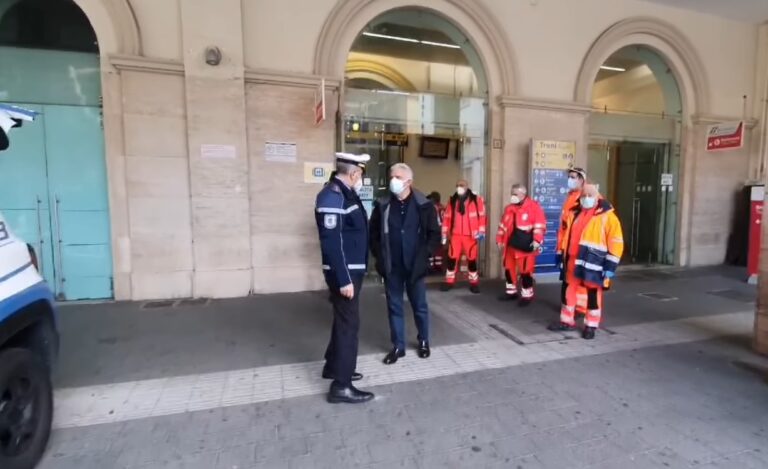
(194,302)
(158,304)
(734,295)
(658,296)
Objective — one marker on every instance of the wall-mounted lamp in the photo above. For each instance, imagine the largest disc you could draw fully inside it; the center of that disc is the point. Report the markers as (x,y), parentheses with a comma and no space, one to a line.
(213,56)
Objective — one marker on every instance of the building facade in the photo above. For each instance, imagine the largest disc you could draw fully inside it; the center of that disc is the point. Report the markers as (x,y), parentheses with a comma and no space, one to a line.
(190,199)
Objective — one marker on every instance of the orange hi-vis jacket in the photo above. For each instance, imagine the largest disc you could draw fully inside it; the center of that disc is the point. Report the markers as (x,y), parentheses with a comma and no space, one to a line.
(570,204)
(600,246)
(528,217)
(471,223)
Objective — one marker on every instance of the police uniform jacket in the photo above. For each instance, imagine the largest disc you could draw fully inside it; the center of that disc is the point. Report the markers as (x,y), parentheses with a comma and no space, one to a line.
(342,225)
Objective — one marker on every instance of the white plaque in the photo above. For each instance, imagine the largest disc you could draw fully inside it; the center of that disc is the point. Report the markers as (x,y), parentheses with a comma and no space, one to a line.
(280,152)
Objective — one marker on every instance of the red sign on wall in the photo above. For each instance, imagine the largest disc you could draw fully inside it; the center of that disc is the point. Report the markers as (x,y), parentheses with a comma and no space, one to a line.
(725,136)
(757,197)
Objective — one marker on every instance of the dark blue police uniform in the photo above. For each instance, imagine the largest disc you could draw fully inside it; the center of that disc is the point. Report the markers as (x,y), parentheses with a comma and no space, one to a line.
(342,225)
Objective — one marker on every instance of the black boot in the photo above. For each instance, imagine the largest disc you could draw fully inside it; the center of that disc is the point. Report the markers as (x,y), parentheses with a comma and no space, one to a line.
(589,333)
(423,349)
(525,301)
(446,287)
(561,327)
(340,394)
(392,356)
(474,289)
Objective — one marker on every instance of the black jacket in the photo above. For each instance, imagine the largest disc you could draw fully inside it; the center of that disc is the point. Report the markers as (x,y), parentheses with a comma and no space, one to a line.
(429,236)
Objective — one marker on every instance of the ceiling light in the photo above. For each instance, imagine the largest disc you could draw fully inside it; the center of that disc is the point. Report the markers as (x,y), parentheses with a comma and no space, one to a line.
(394,38)
(613,69)
(408,39)
(441,44)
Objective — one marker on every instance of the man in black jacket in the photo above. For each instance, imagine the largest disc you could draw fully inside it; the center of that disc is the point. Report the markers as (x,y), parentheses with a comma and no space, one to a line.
(404,233)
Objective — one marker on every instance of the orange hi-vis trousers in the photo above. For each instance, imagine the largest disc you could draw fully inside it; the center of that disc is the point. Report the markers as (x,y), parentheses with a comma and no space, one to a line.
(520,267)
(458,246)
(594,304)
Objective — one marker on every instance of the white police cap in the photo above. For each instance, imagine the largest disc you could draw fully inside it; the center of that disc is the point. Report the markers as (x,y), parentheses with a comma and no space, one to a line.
(351,158)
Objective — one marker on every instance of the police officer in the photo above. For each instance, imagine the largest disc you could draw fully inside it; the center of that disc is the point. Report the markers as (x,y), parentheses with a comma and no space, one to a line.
(342,225)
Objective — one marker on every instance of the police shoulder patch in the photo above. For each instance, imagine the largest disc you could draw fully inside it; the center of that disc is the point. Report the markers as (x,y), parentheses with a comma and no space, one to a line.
(330,220)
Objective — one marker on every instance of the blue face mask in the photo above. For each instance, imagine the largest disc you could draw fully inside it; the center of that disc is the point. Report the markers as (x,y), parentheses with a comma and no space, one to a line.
(573,184)
(588,202)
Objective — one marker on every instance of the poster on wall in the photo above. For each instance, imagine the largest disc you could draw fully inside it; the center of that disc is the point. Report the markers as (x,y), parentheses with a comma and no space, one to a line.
(550,161)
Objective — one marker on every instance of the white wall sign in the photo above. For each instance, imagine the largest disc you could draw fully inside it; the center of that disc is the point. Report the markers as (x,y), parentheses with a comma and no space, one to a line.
(280,152)
(667,179)
(218,152)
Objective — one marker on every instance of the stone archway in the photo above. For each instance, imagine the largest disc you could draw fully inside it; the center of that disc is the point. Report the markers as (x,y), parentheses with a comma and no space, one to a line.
(349,17)
(663,38)
(494,53)
(687,69)
(115,24)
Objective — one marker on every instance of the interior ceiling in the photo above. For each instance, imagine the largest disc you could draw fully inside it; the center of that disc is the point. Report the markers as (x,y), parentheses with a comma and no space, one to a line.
(749,11)
(618,62)
(409,50)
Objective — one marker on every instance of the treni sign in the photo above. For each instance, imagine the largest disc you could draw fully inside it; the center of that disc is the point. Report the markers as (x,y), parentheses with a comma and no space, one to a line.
(725,136)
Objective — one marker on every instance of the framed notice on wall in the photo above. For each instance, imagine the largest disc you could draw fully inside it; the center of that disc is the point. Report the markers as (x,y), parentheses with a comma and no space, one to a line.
(550,161)
(434,147)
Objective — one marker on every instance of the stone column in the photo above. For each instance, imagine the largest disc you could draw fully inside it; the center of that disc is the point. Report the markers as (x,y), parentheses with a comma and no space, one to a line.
(218,154)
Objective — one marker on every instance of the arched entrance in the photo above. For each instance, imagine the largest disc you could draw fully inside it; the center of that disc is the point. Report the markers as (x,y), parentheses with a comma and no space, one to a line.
(54,177)
(645,84)
(465,22)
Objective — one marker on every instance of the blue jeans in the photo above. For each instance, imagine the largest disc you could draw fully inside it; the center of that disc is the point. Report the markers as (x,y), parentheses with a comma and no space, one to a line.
(398,283)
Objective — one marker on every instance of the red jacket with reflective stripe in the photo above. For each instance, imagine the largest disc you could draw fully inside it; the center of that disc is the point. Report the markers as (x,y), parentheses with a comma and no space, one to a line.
(528,217)
(471,223)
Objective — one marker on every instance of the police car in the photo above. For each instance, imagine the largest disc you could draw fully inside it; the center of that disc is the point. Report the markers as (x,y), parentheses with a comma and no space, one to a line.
(28,338)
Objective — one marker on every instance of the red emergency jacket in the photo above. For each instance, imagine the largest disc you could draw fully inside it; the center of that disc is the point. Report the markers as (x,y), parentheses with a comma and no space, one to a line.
(528,217)
(471,222)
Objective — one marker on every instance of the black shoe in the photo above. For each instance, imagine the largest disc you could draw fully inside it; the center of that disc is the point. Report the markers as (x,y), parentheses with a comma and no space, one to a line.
(508,297)
(393,356)
(348,395)
(423,349)
(355,376)
(446,287)
(474,289)
(561,327)
(589,333)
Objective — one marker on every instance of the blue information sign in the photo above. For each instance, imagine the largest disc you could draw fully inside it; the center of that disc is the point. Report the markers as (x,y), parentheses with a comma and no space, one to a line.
(550,161)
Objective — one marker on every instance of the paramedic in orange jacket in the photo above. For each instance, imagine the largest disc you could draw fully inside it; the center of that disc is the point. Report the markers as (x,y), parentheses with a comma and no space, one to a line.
(520,235)
(577,177)
(463,227)
(592,245)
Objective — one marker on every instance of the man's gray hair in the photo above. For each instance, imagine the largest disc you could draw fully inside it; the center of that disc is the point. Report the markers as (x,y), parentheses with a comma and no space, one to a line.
(519,188)
(346,168)
(404,168)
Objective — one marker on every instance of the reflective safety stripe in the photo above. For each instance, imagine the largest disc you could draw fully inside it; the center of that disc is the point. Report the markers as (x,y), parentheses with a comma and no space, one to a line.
(527,292)
(612,258)
(593,318)
(349,266)
(525,227)
(589,265)
(339,211)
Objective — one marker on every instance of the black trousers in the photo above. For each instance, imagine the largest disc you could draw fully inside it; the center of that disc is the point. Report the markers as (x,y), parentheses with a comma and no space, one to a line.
(341,354)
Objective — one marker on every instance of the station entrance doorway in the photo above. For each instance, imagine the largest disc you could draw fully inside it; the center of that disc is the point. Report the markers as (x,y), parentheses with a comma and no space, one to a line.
(634,151)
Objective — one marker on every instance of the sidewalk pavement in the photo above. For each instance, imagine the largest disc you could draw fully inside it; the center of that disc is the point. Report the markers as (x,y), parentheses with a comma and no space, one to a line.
(234,384)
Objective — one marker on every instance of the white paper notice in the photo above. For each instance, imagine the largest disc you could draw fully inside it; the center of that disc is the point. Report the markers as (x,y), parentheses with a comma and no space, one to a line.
(218,152)
(280,152)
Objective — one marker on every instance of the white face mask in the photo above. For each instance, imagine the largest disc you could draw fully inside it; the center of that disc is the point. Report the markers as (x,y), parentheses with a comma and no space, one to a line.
(396,186)
(573,184)
(461,191)
(588,202)
(358,186)
(514,199)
